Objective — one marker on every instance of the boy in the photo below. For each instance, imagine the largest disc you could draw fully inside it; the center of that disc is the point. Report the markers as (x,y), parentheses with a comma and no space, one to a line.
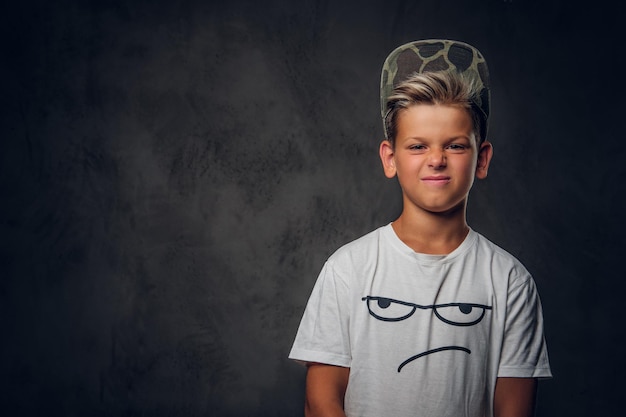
(424,316)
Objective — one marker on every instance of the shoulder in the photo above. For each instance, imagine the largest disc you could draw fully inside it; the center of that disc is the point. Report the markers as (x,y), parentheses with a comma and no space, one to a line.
(366,242)
(360,250)
(501,260)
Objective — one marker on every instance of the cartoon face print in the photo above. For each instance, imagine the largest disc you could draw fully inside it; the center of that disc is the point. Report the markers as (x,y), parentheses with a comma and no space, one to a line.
(454,314)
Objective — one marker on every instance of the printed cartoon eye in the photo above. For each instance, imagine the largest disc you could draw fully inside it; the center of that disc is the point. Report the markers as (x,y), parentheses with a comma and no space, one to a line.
(460,314)
(387,309)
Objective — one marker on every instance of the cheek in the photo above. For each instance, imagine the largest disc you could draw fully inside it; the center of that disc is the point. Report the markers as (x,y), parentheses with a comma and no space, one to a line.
(467,168)
(470,164)
(409,167)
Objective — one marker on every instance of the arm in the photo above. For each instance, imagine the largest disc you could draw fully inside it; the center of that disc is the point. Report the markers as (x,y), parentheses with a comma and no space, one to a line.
(515,397)
(325,390)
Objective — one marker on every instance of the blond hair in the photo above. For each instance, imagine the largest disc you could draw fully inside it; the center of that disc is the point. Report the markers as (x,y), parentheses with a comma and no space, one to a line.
(449,88)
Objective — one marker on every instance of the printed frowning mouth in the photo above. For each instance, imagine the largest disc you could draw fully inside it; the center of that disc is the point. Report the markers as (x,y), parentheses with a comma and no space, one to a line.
(428,352)
(454,314)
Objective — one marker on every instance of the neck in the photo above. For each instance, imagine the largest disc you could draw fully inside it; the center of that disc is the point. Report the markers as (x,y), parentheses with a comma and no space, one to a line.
(432,233)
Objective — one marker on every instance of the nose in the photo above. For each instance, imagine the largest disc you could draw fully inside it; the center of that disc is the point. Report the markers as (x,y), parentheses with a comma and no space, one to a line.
(437,158)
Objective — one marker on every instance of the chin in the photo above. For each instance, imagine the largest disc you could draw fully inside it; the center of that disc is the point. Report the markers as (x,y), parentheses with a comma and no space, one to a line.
(447,209)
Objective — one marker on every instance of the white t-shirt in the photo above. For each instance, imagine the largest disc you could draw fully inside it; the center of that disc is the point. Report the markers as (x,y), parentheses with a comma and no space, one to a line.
(423,335)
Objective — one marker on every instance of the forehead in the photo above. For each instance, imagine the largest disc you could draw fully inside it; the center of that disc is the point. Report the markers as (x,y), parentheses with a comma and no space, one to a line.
(426,121)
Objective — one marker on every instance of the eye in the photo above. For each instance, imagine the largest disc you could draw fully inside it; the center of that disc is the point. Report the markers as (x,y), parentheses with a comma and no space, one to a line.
(458,147)
(417,147)
(460,314)
(387,309)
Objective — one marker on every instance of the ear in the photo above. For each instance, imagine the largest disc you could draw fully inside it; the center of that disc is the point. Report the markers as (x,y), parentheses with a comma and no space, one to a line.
(387,155)
(485,153)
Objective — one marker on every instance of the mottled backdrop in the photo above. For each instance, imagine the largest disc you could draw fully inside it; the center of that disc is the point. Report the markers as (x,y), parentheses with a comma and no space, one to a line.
(174,174)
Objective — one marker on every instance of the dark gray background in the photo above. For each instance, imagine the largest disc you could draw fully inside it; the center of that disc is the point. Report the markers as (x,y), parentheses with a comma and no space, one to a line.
(174,174)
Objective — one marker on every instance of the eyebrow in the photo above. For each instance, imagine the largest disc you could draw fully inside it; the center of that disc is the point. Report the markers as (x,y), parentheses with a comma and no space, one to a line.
(451,139)
(424,307)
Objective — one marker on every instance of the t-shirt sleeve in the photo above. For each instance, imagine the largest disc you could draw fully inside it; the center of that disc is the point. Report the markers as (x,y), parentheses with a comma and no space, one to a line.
(524,352)
(323,335)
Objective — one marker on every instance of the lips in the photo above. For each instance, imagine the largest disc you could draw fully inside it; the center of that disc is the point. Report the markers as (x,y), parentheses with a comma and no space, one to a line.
(436,179)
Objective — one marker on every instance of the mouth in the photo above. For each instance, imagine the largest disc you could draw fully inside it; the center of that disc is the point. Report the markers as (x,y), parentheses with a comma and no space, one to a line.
(436,180)
(428,352)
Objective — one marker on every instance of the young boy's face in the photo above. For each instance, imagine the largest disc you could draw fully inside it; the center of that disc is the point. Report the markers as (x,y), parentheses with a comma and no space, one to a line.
(435,157)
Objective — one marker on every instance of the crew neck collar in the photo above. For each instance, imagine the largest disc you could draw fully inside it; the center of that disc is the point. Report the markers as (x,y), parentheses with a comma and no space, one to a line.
(425,258)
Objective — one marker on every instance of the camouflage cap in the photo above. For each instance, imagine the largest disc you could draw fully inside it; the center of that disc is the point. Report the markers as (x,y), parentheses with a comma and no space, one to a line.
(434,55)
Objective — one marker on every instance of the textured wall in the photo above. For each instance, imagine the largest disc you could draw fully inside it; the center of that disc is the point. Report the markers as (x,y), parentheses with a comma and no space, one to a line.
(173,175)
